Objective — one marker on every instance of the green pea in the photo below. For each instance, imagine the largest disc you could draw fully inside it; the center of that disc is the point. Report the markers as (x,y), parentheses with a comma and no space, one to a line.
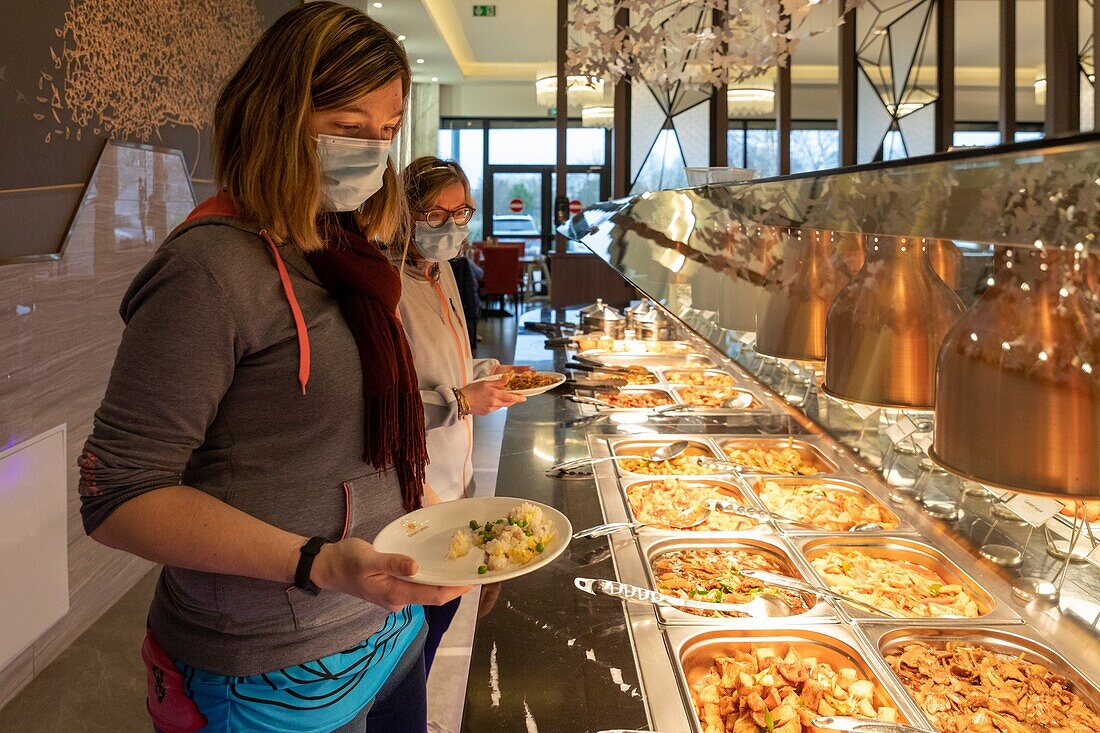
(473,524)
(481,570)
(539,547)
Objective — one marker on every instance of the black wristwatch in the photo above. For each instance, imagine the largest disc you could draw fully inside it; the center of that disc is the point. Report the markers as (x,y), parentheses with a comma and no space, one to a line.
(305,565)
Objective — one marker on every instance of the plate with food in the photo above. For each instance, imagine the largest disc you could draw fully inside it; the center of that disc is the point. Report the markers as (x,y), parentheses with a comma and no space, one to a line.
(477,541)
(529,384)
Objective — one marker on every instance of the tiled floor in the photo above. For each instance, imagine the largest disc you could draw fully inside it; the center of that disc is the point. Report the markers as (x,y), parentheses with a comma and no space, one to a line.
(98,684)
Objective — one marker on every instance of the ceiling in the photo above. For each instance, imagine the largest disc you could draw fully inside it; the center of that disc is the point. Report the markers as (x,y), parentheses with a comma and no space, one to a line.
(518,43)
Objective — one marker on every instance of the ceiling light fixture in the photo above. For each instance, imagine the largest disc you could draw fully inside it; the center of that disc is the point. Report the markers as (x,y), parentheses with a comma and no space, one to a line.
(435,78)
(378,5)
(581,90)
(597,117)
(750,101)
(1041,85)
(420,61)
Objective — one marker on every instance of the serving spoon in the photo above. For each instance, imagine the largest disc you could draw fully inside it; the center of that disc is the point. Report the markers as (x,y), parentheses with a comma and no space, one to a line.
(663,453)
(763,605)
(789,583)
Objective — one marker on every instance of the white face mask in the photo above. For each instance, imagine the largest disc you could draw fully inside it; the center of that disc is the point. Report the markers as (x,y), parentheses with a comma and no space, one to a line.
(442,243)
(351,170)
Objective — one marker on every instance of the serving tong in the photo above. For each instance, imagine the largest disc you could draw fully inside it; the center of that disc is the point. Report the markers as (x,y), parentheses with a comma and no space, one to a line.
(863,725)
(763,605)
(789,583)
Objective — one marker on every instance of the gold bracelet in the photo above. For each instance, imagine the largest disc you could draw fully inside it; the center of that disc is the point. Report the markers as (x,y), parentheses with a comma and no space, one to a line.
(463,404)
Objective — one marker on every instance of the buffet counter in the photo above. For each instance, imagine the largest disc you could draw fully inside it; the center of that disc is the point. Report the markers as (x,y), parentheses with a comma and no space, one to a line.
(550,658)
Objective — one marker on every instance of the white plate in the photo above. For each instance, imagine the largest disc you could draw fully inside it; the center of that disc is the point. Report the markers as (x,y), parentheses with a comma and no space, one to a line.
(558,380)
(430,546)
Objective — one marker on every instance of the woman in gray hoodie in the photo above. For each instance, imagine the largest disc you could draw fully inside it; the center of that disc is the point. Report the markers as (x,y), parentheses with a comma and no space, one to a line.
(263,420)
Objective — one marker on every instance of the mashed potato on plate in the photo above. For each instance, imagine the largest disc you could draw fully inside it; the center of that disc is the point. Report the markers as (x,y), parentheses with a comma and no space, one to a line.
(517,538)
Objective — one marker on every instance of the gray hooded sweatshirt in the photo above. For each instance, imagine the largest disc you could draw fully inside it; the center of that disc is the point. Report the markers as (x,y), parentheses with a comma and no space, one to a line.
(207,391)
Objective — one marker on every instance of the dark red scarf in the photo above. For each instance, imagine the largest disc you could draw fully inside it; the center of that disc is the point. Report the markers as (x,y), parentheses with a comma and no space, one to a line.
(368,287)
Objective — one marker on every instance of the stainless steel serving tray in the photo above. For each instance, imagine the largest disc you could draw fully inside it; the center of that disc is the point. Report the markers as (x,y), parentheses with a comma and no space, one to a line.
(912,550)
(694,648)
(902,526)
(667,374)
(728,393)
(615,358)
(727,488)
(655,390)
(1012,640)
(810,453)
(759,540)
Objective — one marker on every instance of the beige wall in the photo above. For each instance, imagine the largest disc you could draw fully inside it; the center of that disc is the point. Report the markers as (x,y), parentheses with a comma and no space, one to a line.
(59,327)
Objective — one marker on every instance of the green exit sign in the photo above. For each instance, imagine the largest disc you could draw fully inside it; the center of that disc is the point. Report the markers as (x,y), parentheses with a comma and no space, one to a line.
(485,11)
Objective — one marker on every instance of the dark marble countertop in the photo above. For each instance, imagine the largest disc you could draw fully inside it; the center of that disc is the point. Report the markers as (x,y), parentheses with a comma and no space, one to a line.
(548,658)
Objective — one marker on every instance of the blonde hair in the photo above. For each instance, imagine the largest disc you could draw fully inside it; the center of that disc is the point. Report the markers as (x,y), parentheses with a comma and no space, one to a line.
(427,177)
(318,56)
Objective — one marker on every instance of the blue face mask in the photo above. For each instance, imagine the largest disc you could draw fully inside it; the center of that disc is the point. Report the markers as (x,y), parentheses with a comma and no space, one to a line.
(351,170)
(442,243)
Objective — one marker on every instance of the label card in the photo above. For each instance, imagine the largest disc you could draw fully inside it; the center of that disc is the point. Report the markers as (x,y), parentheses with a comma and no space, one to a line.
(863,411)
(901,430)
(1035,510)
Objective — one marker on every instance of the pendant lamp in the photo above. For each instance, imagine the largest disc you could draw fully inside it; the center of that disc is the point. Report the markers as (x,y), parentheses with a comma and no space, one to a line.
(885,328)
(1018,394)
(791,322)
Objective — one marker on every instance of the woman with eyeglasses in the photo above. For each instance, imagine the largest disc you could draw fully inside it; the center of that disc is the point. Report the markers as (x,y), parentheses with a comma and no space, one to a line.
(453,384)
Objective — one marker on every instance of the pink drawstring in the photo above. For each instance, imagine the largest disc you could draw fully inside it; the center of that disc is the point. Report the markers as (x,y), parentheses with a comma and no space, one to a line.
(295,310)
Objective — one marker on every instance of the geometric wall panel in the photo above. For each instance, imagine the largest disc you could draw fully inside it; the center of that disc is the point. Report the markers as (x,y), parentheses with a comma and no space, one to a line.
(896,93)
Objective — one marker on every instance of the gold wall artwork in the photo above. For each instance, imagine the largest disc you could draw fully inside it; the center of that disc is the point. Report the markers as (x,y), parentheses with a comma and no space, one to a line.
(76,73)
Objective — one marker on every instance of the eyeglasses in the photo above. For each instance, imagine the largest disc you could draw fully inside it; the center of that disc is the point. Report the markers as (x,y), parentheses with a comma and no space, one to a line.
(436,218)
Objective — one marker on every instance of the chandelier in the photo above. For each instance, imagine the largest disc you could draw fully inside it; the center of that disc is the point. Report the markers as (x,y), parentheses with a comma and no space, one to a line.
(581,90)
(699,45)
(751,98)
(597,117)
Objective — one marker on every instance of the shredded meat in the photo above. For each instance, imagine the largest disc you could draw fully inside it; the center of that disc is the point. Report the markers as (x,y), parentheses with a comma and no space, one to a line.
(965,688)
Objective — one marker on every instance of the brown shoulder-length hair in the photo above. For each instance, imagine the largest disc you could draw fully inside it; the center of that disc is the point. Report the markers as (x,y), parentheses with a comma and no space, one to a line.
(318,56)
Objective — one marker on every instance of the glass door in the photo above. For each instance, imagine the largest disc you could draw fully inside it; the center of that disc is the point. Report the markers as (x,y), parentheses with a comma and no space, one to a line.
(518,209)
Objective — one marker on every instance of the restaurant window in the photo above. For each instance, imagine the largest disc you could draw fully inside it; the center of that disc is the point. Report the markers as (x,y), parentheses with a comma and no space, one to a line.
(814,150)
(467,148)
(539,146)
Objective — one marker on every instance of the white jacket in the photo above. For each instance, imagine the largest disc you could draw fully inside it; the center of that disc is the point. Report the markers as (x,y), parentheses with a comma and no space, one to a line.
(431,312)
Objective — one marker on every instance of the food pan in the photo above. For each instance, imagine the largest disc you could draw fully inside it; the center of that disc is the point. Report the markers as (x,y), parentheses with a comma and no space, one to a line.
(689,360)
(754,402)
(670,374)
(1013,641)
(758,541)
(724,488)
(790,483)
(694,649)
(655,391)
(914,551)
(646,448)
(810,454)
